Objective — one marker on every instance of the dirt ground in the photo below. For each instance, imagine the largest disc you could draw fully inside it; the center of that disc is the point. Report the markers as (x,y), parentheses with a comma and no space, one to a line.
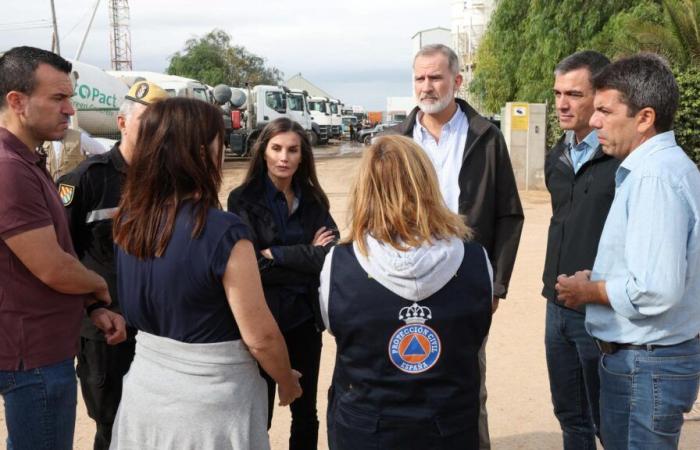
(520,412)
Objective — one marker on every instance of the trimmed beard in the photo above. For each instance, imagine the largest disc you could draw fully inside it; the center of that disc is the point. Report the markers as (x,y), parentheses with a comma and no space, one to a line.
(438,106)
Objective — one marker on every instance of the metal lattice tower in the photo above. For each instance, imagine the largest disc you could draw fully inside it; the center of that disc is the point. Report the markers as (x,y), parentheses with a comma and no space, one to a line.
(120,36)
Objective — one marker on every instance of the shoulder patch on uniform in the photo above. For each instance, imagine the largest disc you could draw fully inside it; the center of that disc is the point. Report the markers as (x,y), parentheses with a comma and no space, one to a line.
(66,192)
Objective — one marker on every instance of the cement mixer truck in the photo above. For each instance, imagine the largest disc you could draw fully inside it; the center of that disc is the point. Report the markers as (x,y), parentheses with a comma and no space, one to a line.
(97,97)
(253,108)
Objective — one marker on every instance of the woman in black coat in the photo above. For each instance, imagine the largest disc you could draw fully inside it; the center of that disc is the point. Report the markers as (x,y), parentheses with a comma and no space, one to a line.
(292,231)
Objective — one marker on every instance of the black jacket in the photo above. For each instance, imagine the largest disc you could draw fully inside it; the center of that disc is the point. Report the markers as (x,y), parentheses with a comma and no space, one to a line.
(488,195)
(580,204)
(97,184)
(302,263)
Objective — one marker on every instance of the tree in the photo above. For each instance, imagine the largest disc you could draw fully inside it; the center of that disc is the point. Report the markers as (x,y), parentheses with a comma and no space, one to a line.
(687,120)
(525,40)
(213,60)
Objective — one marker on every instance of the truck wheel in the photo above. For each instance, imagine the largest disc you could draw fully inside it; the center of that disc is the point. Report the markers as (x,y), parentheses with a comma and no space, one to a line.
(313,138)
(367,139)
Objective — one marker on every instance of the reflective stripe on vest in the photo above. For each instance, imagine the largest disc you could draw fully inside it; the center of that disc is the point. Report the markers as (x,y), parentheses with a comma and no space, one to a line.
(100,214)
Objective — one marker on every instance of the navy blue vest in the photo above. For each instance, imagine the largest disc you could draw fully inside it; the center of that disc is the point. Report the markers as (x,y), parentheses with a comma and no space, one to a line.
(403,360)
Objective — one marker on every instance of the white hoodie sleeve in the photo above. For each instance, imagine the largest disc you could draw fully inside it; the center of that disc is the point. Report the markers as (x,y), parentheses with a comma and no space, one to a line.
(324,289)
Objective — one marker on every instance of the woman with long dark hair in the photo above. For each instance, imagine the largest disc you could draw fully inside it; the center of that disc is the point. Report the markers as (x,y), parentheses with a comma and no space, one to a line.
(189,283)
(408,298)
(288,214)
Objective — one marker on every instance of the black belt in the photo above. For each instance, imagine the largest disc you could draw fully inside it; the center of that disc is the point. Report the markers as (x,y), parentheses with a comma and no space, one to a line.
(610,348)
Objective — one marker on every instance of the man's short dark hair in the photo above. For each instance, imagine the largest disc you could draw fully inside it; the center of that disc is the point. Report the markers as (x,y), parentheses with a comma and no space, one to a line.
(643,80)
(586,59)
(17,67)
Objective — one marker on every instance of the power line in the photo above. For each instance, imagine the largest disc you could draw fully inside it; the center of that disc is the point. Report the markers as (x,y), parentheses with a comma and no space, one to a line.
(24,25)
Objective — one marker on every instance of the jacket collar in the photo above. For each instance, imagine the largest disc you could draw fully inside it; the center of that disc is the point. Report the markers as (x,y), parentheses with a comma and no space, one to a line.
(562,148)
(254,195)
(115,155)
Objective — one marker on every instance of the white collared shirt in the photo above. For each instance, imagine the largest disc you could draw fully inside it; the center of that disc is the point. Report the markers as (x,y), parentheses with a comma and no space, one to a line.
(446,154)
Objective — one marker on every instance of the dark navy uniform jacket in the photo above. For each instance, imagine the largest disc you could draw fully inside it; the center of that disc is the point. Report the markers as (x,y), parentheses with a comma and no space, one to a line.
(91,194)
(406,374)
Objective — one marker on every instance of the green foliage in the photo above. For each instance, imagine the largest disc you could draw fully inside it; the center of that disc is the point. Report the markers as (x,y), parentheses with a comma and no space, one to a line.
(498,55)
(682,19)
(213,60)
(526,39)
(629,31)
(687,121)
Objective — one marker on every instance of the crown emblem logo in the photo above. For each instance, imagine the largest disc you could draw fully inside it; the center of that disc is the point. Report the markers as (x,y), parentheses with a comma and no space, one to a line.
(415,314)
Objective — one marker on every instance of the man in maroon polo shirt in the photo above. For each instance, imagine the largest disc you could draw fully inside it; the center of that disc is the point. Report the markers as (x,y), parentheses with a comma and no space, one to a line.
(44,290)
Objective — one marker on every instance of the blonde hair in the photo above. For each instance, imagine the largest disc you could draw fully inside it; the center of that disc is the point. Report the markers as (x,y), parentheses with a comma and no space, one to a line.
(396,198)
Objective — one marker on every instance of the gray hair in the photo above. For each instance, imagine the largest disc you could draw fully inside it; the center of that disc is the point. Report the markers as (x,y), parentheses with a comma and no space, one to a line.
(126,108)
(643,80)
(447,52)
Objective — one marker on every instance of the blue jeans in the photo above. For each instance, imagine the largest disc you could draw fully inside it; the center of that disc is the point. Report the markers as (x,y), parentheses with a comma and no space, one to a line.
(644,394)
(572,363)
(40,407)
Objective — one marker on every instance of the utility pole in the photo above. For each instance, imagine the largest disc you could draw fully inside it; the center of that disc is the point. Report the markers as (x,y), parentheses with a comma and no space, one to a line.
(55,46)
(87,31)
(120,36)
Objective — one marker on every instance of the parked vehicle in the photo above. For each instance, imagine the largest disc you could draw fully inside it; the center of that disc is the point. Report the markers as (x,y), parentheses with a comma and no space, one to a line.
(174,85)
(347,121)
(336,118)
(97,98)
(298,109)
(321,114)
(374,117)
(365,135)
(253,108)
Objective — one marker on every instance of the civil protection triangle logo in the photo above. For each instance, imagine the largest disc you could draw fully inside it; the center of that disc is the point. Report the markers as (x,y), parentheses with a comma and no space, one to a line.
(414,347)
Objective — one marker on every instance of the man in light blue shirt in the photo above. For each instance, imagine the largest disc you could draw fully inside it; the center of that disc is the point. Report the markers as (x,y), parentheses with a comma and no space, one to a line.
(582,151)
(643,295)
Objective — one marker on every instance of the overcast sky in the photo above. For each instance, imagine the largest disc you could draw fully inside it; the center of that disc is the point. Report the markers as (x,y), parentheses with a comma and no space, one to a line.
(358,51)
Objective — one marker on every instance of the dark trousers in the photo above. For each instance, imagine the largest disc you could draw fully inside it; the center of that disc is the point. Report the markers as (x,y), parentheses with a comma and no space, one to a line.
(101,368)
(572,362)
(304,346)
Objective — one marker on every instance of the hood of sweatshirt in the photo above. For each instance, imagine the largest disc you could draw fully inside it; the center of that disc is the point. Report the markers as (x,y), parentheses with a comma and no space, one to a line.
(416,273)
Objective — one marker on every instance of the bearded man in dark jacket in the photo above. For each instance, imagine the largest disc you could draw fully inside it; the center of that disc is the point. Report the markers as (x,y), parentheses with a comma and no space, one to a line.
(474,171)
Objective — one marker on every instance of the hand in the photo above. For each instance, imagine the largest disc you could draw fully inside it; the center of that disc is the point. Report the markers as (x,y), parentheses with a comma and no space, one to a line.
(494,304)
(102,294)
(267,253)
(290,390)
(111,324)
(323,237)
(574,290)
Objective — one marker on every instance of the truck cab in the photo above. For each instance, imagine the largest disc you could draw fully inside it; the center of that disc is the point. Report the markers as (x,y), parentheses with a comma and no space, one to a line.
(298,110)
(320,114)
(336,120)
(270,103)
